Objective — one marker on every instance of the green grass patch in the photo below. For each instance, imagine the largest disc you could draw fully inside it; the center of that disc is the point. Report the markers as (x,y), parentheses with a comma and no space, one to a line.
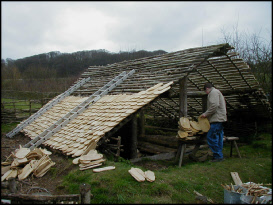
(19,104)
(5,128)
(175,184)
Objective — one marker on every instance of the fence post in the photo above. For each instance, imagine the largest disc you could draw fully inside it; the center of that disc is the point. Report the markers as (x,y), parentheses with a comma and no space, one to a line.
(29,107)
(85,191)
(14,108)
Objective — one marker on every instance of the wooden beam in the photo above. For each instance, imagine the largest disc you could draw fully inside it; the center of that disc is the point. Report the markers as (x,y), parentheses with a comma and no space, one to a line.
(197,94)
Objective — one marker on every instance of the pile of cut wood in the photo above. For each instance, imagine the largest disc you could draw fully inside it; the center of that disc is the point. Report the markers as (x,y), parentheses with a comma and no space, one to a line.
(26,162)
(90,160)
(190,129)
(141,176)
(250,192)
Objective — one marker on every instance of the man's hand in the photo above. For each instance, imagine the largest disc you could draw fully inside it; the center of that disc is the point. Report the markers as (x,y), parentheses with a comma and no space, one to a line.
(203,115)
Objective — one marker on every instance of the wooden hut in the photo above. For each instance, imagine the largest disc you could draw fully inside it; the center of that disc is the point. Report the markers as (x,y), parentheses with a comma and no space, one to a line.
(167,87)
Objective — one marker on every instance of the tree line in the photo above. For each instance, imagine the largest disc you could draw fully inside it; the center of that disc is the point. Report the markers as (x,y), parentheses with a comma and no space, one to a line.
(45,71)
(62,65)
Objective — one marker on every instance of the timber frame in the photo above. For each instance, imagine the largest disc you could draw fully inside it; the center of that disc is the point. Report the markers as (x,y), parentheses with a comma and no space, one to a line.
(189,69)
(216,64)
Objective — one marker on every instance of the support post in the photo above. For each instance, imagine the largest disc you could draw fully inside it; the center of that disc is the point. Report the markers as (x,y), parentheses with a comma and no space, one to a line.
(182,112)
(134,137)
(85,191)
(142,123)
(204,103)
(181,154)
(183,97)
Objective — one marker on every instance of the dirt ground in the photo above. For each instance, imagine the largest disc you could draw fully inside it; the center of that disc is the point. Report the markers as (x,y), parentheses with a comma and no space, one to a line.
(50,182)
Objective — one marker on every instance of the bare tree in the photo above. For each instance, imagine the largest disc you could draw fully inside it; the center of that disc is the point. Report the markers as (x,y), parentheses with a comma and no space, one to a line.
(256,51)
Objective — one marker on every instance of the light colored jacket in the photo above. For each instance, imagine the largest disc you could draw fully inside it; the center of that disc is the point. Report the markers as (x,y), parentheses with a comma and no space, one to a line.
(216,106)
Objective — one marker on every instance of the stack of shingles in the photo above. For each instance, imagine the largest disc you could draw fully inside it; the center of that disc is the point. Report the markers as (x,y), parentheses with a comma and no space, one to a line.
(81,134)
(191,130)
(26,162)
(141,176)
(90,160)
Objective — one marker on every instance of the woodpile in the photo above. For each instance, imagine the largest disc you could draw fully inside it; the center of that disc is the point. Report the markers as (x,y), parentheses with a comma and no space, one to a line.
(190,129)
(141,176)
(26,162)
(252,193)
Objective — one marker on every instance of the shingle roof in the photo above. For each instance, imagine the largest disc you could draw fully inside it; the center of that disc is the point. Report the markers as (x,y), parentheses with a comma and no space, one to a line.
(82,133)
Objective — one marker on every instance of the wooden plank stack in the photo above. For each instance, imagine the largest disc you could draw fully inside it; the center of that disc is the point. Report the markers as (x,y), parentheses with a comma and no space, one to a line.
(90,160)
(190,129)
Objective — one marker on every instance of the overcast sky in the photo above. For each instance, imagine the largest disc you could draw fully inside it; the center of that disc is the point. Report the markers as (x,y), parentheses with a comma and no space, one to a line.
(31,28)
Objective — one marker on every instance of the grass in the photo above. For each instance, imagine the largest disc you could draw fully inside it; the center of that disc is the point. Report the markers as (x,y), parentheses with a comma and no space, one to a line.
(22,104)
(173,184)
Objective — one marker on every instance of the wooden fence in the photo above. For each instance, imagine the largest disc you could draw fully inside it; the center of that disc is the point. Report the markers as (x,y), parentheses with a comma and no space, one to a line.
(18,110)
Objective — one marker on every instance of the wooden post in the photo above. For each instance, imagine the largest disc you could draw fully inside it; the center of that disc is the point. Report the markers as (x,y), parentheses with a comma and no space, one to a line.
(231,145)
(204,103)
(134,137)
(12,185)
(119,143)
(85,191)
(182,112)
(183,97)
(29,107)
(142,123)
(14,108)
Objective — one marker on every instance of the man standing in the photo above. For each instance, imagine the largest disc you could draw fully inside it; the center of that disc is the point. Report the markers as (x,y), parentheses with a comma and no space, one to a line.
(216,114)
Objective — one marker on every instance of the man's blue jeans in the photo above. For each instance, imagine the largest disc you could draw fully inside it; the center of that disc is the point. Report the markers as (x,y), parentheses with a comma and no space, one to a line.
(215,139)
